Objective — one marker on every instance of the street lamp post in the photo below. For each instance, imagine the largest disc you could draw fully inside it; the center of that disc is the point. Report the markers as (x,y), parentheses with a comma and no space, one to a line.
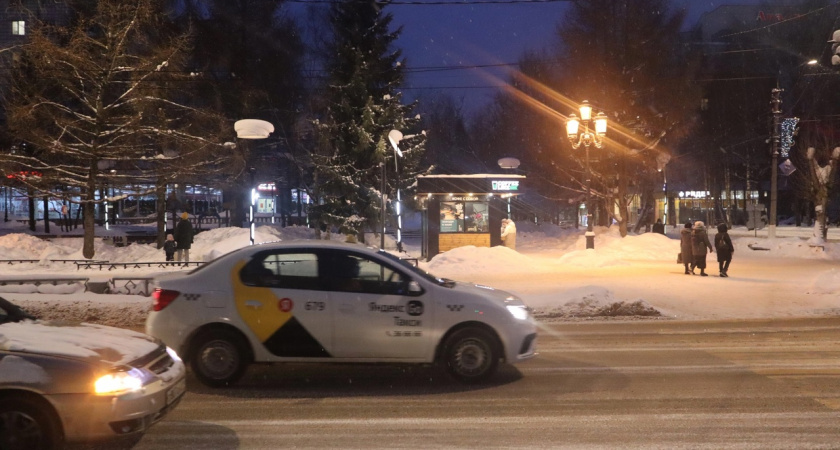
(587,138)
(252,129)
(394,137)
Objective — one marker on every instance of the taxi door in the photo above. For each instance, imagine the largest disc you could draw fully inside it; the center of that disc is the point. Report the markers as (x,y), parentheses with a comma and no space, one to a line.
(280,297)
(375,317)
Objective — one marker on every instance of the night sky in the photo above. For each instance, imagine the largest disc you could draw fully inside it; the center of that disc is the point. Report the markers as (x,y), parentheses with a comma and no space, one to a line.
(437,37)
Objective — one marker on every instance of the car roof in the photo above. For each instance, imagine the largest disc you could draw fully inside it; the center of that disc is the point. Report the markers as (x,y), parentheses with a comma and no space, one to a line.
(312,244)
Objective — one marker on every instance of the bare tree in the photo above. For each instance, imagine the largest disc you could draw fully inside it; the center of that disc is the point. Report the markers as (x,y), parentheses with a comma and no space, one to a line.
(106,101)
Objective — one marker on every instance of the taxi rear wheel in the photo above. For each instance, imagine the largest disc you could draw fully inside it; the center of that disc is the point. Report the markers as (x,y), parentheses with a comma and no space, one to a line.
(219,357)
(470,355)
(25,424)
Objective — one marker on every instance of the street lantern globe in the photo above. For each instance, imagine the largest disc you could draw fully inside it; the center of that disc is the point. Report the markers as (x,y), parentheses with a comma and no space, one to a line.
(252,129)
(394,137)
(572,126)
(601,124)
(585,111)
(508,162)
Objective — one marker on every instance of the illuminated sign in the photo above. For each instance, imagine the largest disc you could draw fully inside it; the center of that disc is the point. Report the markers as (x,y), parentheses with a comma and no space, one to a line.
(694,194)
(505,185)
(265,186)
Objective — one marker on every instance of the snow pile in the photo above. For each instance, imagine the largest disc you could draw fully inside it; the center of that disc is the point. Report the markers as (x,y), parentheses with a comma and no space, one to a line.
(551,270)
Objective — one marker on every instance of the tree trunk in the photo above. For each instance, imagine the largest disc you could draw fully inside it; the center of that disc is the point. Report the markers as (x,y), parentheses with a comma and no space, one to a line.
(89,226)
(31,198)
(160,210)
(89,222)
(623,209)
(46,214)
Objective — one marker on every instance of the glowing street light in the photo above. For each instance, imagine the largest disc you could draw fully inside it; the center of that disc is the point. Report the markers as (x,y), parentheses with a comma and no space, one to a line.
(587,138)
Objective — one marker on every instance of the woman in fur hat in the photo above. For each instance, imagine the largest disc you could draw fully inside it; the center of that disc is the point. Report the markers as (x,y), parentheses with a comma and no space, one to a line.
(699,244)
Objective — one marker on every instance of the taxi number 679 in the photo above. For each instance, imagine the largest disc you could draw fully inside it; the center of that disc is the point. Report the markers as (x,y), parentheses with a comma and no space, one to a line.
(315,306)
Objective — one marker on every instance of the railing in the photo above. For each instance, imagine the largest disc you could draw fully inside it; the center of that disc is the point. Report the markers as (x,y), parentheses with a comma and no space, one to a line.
(136,265)
(32,261)
(130,285)
(40,281)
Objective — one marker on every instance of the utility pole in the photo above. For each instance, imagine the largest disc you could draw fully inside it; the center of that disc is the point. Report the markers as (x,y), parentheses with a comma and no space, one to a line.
(775,103)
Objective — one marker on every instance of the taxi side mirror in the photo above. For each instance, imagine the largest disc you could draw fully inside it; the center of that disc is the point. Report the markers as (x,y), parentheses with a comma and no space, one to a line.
(414,288)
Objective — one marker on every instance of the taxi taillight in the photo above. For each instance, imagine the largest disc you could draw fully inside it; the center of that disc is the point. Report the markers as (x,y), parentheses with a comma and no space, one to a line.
(163,297)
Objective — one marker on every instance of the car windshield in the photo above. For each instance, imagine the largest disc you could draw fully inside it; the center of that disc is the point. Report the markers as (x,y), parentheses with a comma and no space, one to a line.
(416,270)
(10,312)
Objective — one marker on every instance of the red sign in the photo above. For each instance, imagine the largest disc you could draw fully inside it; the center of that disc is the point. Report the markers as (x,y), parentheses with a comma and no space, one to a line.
(285,304)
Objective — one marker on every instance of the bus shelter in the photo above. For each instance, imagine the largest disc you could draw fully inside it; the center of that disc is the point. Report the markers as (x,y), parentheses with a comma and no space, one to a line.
(461,210)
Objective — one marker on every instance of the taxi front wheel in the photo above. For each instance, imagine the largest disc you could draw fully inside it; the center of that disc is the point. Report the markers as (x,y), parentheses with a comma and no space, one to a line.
(470,355)
(219,357)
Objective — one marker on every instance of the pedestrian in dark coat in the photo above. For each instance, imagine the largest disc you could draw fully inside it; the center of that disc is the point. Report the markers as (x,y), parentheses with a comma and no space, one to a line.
(659,227)
(723,245)
(685,248)
(699,244)
(184,238)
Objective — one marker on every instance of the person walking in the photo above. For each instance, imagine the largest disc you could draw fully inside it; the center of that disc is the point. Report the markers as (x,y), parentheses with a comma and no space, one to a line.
(723,245)
(699,244)
(659,227)
(685,248)
(183,238)
(509,234)
(64,220)
(169,247)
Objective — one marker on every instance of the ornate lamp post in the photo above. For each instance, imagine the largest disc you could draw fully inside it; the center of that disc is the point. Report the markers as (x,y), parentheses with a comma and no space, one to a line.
(587,138)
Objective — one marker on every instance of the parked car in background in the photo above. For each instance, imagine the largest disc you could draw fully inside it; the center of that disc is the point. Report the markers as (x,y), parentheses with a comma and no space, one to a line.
(319,301)
(63,383)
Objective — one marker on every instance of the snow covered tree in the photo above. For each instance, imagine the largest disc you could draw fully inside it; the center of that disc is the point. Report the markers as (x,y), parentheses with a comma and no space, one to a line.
(104,102)
(361,105)
(821,180)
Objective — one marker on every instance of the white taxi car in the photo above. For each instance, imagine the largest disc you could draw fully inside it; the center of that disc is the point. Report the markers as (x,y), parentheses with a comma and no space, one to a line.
(321,301)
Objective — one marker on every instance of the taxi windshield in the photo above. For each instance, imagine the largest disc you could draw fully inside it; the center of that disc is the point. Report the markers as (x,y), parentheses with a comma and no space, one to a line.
(416,270)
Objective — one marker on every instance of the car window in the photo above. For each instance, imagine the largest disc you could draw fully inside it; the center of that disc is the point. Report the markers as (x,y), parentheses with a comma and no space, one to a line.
(346,272)
(297,270)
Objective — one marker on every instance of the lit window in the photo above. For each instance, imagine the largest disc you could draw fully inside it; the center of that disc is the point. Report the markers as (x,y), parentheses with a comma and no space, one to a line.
(18,27)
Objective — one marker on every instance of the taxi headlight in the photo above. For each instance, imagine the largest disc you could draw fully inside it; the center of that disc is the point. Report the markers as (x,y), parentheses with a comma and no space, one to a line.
(518,311)
(116,383)
(173,354)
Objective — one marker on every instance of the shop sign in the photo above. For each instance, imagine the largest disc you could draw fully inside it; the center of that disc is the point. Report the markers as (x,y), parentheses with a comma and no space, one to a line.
(505,185)
(694,194)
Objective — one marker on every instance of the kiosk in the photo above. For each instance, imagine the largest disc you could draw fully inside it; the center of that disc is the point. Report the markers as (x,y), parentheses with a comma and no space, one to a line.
(461,210)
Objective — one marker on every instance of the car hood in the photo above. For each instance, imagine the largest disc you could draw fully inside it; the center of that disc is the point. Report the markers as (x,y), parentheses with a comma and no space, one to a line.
(503,297)
(94,343)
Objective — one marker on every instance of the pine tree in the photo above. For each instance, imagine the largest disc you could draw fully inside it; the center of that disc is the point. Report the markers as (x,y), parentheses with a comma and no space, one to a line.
(361,106)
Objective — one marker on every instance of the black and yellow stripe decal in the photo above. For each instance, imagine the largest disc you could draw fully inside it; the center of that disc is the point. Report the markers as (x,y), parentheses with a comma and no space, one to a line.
(279,331)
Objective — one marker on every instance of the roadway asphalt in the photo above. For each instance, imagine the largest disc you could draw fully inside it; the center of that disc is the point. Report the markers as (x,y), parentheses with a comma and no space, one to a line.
(744,384)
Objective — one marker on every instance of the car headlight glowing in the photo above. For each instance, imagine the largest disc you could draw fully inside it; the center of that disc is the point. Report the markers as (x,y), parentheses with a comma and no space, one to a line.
(518,311)
(116,383)
(173,354)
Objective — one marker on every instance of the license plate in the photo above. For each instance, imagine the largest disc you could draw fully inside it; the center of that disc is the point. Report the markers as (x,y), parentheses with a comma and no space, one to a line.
(175,391)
